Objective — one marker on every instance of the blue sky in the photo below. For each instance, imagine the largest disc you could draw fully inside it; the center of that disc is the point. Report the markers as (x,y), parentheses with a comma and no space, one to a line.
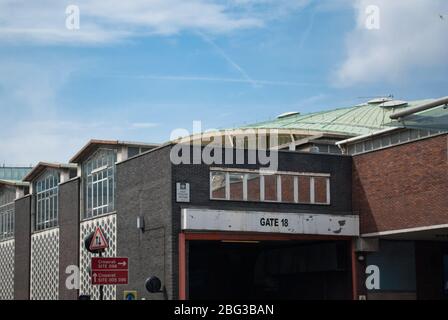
(138,70)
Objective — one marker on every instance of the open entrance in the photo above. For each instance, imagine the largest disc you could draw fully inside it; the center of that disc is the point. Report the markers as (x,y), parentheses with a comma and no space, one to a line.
(228,269)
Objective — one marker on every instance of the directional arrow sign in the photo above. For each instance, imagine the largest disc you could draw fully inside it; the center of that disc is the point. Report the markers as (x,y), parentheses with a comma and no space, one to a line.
(109,271)
(99,241)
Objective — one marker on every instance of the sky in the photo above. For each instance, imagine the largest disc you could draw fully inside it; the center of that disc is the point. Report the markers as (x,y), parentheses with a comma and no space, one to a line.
(138,70)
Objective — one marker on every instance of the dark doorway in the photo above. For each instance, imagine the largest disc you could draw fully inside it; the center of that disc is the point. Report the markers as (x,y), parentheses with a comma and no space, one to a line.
(269,270)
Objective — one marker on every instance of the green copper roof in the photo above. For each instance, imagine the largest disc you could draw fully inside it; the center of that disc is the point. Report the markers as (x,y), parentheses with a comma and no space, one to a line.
(353,121)
(431,119)
(13,173)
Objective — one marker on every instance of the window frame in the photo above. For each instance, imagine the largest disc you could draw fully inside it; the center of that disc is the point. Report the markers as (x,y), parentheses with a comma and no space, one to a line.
(7,215)
(99,181)
(278,174)
(46,201)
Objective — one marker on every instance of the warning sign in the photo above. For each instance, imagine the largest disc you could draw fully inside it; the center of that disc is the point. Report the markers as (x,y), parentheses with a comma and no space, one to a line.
(99,241)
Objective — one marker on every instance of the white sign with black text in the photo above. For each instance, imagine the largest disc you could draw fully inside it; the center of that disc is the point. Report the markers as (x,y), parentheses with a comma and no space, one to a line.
(182,192)
(272,222)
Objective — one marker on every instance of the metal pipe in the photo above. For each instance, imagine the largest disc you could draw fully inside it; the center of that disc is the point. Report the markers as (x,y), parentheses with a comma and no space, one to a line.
(407,112)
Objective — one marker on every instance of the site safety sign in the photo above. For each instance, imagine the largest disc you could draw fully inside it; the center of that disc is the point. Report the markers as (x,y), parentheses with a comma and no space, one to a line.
(99,241)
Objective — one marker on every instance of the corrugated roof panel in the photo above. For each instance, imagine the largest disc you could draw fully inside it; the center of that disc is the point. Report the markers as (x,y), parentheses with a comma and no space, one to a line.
(356,120)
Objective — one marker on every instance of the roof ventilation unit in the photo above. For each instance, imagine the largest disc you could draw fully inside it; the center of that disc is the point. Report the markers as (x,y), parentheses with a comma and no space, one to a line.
(393,104)
(379,100)
(288,114)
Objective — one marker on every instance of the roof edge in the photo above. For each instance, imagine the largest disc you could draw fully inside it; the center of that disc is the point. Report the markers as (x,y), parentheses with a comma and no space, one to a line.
(41,166)
(80,155)
(365,136)
(14,183)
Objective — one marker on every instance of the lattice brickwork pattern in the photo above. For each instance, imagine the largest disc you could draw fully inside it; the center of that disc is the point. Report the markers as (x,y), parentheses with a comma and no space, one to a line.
(45,265)
(109,226)
(7,270)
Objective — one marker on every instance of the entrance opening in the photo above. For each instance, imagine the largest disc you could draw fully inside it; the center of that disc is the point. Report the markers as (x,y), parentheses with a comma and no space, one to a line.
(269,270)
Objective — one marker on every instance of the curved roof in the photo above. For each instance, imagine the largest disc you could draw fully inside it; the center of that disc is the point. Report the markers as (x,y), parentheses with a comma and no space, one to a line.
(352,121)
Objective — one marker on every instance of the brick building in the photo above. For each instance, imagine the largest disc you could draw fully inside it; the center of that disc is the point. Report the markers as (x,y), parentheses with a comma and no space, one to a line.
(400,182)
(352,190)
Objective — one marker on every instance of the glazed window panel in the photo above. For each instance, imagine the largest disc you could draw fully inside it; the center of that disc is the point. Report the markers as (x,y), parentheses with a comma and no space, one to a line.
(280,187)
(270,188)
(288,189)
(236,182)
(46,206)
(99,183)
(6,221)
(304,189)
(253,187)
(218,185)
(320,189)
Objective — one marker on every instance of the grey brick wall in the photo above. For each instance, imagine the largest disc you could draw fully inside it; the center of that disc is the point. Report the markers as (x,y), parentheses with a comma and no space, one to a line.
(22,248)
(68,234)
(144,189)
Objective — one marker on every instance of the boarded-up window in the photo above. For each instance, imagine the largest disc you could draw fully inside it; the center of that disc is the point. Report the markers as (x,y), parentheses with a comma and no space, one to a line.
(270,187)
(287,188)
(218,185)
(253,187)
(304,189)
(236,186)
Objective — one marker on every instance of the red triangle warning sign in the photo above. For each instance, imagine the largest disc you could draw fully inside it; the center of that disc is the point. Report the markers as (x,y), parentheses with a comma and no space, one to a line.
(99,241)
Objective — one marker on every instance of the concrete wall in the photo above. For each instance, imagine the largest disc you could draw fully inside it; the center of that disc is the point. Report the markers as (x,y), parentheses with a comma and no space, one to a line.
(22,248)
(68,234)
(144,189)
(403,186)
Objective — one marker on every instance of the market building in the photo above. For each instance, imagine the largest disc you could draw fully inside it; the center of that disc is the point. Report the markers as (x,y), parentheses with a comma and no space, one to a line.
(325,196)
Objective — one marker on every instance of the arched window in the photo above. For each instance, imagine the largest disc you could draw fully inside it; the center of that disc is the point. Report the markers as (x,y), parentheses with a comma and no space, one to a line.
(99,183)
(46,205)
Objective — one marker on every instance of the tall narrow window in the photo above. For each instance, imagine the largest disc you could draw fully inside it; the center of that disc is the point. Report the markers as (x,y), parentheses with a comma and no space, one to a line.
(270,187)
(99,183)
(7,196)
(304,189)
(320,189)
(46,205)
(236,183)
(218,185)
(253,187)
(288,189)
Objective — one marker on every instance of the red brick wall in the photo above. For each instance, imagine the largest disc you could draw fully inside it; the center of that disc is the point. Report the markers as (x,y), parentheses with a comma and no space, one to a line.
(401,187)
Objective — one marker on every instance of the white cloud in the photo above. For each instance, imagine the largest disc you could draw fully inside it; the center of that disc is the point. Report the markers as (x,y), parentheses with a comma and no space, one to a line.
(34,123)
(105,21)
(412,37)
